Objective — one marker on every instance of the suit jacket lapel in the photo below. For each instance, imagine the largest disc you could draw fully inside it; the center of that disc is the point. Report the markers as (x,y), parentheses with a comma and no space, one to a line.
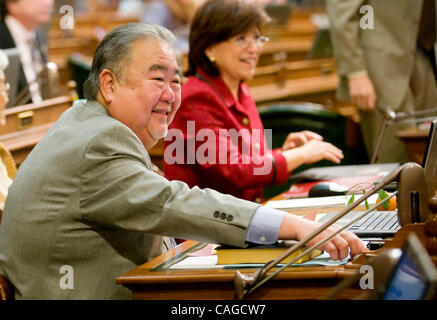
(7,42)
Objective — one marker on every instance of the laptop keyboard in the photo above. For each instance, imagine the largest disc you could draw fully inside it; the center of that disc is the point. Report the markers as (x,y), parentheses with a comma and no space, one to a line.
(377,223)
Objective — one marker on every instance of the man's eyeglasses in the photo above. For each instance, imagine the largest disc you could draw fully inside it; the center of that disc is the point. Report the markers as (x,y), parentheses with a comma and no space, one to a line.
(245,42)
(6,87)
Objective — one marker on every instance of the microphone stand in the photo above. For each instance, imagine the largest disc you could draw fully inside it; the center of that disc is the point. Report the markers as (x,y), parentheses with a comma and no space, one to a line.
(390,117)
(321,242)
(245,284)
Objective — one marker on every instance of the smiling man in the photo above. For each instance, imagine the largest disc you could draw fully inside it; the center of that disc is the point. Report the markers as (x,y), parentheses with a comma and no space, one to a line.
(86,207)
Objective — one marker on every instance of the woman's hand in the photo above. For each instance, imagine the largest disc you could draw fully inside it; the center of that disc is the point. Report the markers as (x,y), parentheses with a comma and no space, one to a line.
(313,151)
(297,228)
(297,139)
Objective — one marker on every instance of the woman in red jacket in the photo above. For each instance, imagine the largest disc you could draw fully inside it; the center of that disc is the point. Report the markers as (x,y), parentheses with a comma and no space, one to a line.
(217,138)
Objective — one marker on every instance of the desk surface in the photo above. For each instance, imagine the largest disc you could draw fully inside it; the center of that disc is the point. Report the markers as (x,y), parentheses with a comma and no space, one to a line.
(292,283)
(205,284)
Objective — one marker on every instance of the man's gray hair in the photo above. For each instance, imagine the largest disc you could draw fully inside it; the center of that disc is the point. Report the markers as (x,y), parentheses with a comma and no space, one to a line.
(4,61)
(115,51)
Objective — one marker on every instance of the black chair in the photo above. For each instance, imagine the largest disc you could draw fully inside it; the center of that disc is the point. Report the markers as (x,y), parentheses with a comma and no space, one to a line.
(286,117)
(80,70)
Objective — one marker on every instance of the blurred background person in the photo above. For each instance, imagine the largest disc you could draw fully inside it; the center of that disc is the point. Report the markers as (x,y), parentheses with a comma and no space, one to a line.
(7,164)
(391,65)
(175,15)
(20,21)
(225,44)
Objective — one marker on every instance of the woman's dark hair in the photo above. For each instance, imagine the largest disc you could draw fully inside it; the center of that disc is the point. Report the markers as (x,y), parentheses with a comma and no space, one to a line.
(216,21)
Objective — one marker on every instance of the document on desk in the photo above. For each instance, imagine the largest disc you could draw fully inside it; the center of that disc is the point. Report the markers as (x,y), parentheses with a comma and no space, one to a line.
(210,262)
(318,202)
(332,172)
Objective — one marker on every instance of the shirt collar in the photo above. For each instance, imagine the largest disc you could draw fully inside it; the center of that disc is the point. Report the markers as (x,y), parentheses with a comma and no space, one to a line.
(19,33)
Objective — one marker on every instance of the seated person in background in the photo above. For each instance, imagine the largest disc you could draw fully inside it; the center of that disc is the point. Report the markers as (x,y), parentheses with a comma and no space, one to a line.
(174,15)
(86,197)
(226,42)
(7,164)
(19,22)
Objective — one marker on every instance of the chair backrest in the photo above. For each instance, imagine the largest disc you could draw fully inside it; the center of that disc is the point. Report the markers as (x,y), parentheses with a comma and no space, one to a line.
(80,69)
(286,117)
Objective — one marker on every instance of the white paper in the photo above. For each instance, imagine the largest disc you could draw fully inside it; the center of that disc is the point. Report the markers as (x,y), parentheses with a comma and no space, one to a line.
(318,202)
(206,262)
(210,262)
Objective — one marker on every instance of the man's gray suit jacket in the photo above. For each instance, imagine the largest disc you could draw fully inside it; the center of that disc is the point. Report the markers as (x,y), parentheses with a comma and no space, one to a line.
(85,207)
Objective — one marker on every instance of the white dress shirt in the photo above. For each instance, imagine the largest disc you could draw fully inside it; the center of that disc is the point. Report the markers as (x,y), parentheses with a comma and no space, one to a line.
(23,39)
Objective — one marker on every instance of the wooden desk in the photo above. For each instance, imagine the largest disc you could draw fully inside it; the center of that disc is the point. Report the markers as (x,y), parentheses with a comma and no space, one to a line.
(320,89)
(26,125)
(295,50)
(293,283)
(290,284)
(415,141)
(280,72)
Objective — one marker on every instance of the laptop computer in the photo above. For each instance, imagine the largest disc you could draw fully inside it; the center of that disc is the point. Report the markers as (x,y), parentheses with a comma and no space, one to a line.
(414,275)
(429,162)
(383,224)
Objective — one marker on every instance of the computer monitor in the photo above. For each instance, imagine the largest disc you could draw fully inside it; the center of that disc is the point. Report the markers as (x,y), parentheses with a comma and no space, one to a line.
(429,162)
(414,276)
(12,73)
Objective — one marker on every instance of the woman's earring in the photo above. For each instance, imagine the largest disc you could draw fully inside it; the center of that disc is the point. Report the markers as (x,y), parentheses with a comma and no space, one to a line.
(212,59)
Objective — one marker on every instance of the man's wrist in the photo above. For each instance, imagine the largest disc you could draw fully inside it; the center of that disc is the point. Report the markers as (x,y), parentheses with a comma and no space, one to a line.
(265,225)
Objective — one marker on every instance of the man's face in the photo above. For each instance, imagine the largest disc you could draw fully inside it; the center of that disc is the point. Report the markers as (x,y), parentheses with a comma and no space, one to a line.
(148,96)
(32,12)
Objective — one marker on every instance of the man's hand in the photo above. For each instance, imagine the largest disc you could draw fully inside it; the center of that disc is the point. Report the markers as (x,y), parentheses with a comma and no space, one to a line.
(362,92)
(297,228)
(297,139)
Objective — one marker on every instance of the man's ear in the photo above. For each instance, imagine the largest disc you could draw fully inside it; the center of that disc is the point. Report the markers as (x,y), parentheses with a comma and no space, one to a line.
(107,83)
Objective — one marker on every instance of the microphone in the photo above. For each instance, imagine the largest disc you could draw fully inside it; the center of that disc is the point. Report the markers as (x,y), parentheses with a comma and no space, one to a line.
(411,180)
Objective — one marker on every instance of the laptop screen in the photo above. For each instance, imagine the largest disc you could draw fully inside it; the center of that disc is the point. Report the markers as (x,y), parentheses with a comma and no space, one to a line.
(414,275)
(429,163)
(407,282)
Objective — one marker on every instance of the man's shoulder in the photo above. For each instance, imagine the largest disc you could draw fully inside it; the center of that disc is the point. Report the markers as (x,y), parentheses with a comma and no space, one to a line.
(87,122)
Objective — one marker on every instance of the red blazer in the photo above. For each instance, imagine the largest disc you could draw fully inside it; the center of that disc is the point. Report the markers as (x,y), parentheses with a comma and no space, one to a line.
(209,103)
